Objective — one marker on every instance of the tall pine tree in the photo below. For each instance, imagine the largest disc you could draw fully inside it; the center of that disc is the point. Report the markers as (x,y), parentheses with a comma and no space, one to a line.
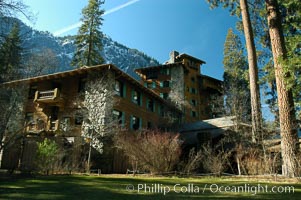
(89,38)
(237,93)
(291,12)
(287,116)
(11,55)
(242,6)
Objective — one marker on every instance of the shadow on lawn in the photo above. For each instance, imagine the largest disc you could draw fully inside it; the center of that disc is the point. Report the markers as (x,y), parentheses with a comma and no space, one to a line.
(111,188)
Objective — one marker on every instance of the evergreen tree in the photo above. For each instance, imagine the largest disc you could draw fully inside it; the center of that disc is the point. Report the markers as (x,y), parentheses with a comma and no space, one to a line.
(242,6)
(89,38)
(287,116)
(291,12)
(291,17)
(11,55)
(237,93)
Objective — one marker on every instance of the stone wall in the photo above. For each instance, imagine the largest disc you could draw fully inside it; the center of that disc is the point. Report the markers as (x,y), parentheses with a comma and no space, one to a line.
(176,94)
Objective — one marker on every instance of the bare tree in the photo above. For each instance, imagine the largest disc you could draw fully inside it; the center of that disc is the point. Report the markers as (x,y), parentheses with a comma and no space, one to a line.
(11,116)
(193,161)
(11,8)
(43,62)
(215,159)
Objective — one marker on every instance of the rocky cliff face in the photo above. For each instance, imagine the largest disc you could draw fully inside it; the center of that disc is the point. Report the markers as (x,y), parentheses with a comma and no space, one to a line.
(125,58)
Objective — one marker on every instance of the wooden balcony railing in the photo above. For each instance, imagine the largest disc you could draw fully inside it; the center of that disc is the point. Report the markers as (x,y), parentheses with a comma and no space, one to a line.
(39,127)
(53,125)
(47,96)
(35,127)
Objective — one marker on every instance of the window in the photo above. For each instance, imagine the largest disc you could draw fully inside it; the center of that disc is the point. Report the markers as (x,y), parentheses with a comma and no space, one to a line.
(193,102)
(150,84)
(81,85)
(166,84)
(151,75)
(161,110)
(164,95)
(193,114)
(154,84)
(119,88)
(192,79)
(29,117)
(78,118)
(65,124)
(193,90)
(136,97)
(165,71)
(32,92)
(135,123)
(149,125)
(118,116)
(150,105)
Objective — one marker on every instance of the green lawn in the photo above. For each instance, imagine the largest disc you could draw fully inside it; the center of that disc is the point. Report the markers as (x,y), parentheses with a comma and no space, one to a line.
(128,187)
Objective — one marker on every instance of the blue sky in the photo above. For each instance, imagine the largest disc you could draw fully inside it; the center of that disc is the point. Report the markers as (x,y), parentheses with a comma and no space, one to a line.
(154,27)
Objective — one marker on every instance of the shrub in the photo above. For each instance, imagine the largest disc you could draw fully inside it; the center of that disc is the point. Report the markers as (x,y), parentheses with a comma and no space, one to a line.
(215,160)
(151,150)
(46,155)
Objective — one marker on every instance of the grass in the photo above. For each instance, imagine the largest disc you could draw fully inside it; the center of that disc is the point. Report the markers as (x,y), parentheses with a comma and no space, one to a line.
(115,187)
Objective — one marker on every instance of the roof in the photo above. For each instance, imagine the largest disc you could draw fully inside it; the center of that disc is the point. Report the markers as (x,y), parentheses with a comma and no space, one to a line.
(210,124)
(168,65)
(211,78)
(184,55)
(78,71)
(85,70)
(214,127)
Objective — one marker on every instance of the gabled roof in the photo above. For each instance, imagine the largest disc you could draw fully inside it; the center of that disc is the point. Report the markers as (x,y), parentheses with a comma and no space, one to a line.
(140,71)
(85,70)
(78,71)
(184,55)
(211,78)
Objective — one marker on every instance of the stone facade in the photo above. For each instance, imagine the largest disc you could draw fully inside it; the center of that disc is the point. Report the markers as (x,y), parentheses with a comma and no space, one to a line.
(177,84)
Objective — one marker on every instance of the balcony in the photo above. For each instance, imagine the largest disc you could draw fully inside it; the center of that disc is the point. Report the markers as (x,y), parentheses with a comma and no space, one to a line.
(37,127)
(53,125)
(47,96)
(52,97)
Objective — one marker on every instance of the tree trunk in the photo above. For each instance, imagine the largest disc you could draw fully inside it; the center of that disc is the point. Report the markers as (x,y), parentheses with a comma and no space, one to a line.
(90,44)
(89,157)
(287,116)
(238,165)
(253,72)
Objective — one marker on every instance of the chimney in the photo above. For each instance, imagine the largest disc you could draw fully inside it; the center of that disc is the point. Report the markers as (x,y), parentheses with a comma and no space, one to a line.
(172,56)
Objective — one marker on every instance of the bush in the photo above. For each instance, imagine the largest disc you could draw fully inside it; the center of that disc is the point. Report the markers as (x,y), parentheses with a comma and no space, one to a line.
(151,150)
(215,160)
(46,155)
